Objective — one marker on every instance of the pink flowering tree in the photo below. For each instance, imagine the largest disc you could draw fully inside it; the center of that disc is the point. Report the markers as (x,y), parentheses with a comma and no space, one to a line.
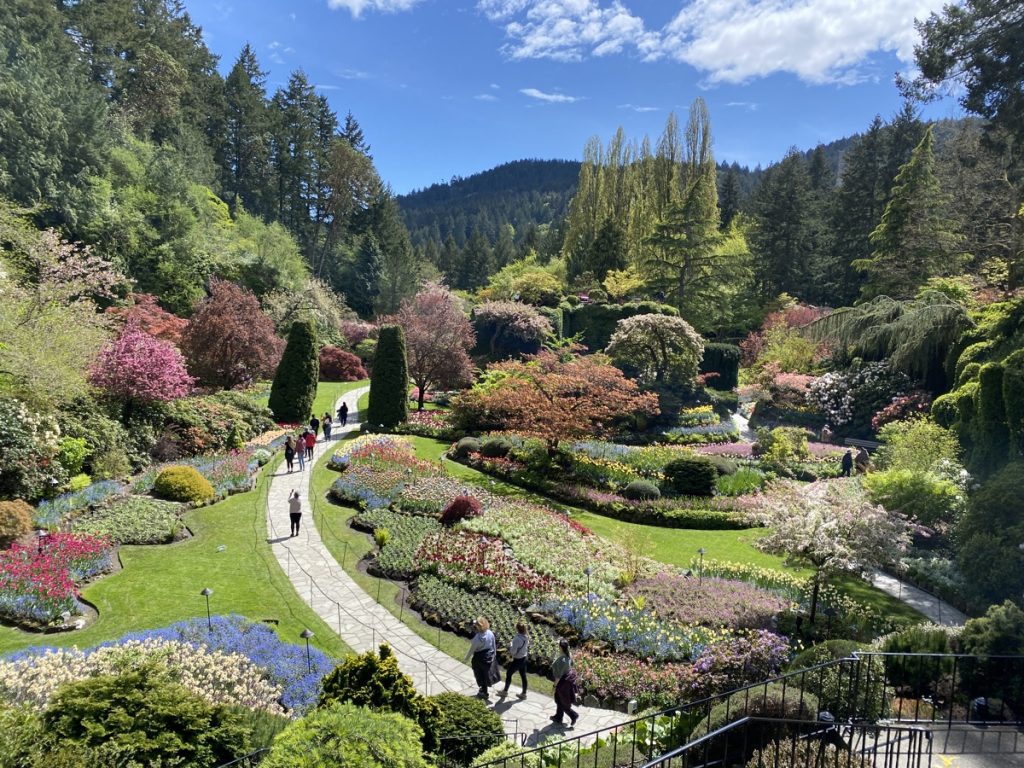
(139,368)
(830,526)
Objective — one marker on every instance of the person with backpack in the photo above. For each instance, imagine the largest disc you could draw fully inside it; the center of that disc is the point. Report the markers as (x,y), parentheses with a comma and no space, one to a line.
(327,426)
(289,452)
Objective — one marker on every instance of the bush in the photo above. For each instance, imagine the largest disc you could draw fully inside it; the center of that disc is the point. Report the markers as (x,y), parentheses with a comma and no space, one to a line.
(15,521)
(467,727)
(294,387)
(596,322)
(921,496)
(743,481)
(72,453)
(917,675)
(495,447)
(79,483)
(775,701)
(460,508)
(724,360)
(142,718)
(723,464)
(27,453)
(832,684)
(182,483)
(690,476)
(211,423)
(375,681)
(805,752)
(338,365)
(466,446)
(389,382)
(641,490)
(347,735)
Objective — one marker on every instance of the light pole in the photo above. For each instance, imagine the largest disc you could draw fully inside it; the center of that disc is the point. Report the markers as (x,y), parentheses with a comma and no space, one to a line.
(588,570)
(700,569)
(41,539)
(209,619)
(306,634)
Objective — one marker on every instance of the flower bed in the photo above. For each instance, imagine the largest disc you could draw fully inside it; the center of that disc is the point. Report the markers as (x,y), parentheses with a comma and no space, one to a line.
(228,473)
(37,585)
(397,558)
(133,520)
(710,601)
(51,512)
(723,432)
(435,424)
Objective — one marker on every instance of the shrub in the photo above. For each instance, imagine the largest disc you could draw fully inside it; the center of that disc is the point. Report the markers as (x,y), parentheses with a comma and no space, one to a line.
(775,700)
(144,719)
(374,680)
(381,537)
(467,727)
(460,508)
(15,521)
(506,328)
(294,387)
(921,496)
(917,674)
(723,464)
(27,452)
(495,447)
(832,684)
(72,453)
(743,481)
(804,752)
(338,365)
(690,476)
(724,360)
(182,483)
(466,446)
(641,490)
(389,382)
(346,735)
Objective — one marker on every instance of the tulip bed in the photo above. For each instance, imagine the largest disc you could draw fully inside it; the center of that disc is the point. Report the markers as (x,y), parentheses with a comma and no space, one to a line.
(228,473)
(397,560)
(133,520)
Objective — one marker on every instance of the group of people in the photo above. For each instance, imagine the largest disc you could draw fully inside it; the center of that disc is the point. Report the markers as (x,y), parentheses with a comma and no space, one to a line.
(300,446)
(483,656)
(861,461)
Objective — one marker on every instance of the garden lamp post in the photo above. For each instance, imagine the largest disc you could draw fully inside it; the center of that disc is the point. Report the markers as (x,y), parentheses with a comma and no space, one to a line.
(588,570)
(40,540)
(209,619)
(306,634)
(700,569)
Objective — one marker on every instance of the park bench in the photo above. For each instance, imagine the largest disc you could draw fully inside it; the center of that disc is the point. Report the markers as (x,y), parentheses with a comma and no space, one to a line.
(871,445)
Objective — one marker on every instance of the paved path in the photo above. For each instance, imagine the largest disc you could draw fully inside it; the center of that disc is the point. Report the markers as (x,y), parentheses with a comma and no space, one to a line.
(936,609)
(363,623)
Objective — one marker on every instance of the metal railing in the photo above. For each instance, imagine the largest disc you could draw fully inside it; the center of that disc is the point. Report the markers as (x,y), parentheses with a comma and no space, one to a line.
(896,688)
(248,761)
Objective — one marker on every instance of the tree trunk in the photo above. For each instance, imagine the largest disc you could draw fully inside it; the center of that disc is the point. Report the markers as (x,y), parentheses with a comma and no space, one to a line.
(814,595)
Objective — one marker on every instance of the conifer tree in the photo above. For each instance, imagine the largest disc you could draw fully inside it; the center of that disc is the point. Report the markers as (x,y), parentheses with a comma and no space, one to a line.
(915,239)
(363,280)
(245,168)
(294,387)
(781,236)
(389,379)
(730,196)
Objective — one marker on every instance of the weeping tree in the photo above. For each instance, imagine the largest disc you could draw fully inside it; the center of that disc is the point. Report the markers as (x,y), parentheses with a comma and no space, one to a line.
(914,335)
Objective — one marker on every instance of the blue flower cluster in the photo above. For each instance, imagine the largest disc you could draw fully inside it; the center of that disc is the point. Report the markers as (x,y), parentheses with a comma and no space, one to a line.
(725,429)
(50,512)
(285,664)
(597,449)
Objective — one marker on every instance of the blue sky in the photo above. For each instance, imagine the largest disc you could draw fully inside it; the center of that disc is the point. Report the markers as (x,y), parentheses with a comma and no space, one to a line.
(453,87)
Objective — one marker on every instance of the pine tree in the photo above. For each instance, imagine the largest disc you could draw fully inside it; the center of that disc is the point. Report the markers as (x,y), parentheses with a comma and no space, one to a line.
(607,252)
(730,196)
(781,236)
(476,263)
(245,153)
(389,379)
(915,239)
(449,259)
(363,280)
(352,132)
(294,387)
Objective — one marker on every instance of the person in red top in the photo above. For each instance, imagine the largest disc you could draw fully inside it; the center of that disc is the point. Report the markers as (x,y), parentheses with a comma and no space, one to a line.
(310,442)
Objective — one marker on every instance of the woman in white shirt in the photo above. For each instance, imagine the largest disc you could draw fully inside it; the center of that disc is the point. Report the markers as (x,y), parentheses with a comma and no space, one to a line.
(483,650)
(518,649)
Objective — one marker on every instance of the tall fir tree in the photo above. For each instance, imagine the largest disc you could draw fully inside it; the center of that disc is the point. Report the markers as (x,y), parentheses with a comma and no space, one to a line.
(781,235)
(362,283)
(476,263)
(294,388)
(245,166)
(730,197)
(389,379)
(915,239)
(352,132)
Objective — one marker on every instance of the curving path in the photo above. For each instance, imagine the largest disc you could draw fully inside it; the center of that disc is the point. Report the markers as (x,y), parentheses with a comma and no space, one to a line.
(363,623)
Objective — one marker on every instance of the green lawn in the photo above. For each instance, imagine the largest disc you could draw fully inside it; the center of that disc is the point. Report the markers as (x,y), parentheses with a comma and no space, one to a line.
(328,392)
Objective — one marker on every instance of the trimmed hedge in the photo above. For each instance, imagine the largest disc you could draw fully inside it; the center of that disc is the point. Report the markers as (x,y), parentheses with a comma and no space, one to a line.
(495,447)
(723,359)
(183,483)
(596,322)
(467,728)
(389,381)
(294,387)
(641,490)
(466,446)
(688,476)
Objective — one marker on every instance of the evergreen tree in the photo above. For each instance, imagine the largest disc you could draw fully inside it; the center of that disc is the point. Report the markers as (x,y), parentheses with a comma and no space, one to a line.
(245,155)
(449,259)
(505,247)
(915,239)
(821,286)
(352,132)
(477,262)
(294,387)
(781,236)
(607,252)
(363,281)
(730,196)
(400,271)
(389,379)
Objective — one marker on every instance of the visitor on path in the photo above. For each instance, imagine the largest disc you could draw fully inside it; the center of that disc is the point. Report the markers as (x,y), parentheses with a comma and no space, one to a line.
(301,452)
(863,461)
(289,452)
(314,424)
(327,426)
(295,511)
(518,649)
(343,414)
(827,434)
(484,653)
(565,685)
(847,463)
(310,442)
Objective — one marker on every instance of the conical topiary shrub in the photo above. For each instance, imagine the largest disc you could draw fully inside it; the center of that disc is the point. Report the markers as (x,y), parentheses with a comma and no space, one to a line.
(294,387)
(389,379)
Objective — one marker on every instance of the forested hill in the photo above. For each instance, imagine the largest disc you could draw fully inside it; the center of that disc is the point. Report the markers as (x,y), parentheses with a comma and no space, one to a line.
(523,193)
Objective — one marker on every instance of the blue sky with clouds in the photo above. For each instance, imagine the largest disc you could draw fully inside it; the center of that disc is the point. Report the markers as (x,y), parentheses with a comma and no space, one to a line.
(445,87)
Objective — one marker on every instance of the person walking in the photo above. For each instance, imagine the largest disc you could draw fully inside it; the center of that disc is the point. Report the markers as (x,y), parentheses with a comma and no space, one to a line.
(846,465)
(314,425)
(565,685)
(327,426)
(483,651)
(343,414)
(863,461)
(295,511)
(310,442)
(518,649)
(301,442)
(289,452)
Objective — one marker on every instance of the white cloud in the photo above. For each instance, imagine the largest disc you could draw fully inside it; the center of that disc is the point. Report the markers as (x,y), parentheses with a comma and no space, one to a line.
(485,97)
(638,108)
(732,41)
(352,74)
(356,7)
(322,87)
(494,87)
(273,45)
(551,98)
(750,106)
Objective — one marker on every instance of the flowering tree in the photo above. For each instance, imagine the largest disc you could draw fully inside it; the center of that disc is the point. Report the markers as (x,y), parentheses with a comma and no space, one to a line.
(554,398)
(438,337)
(229,341)
(137,367)
(149,316)
(659,348)
(830,526)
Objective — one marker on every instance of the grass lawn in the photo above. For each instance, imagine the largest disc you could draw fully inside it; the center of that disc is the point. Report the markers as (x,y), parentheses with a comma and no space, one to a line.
(160,585)
(328,392)
(364,401)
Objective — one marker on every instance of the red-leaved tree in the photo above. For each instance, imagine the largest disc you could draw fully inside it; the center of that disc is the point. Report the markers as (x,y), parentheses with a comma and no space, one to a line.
(230,341)
(138,368)
(338,365)
(553,398)
(150,317)
(438,336)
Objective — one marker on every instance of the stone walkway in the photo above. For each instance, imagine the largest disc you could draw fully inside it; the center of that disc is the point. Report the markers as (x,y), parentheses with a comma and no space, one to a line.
(936,609)
(363,623)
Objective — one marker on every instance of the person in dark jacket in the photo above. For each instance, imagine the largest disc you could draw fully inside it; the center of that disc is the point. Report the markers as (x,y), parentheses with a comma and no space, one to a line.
(565,685)
(847,463)
(483,650)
